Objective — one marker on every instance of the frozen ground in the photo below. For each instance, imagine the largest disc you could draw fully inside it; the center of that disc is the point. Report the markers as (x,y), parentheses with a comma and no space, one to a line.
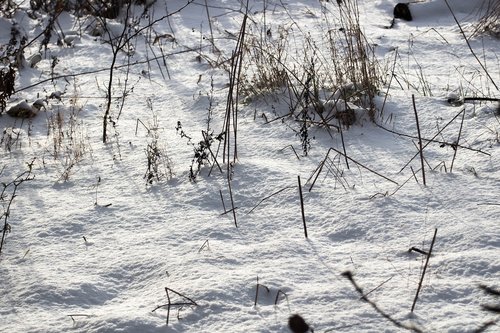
(92,246)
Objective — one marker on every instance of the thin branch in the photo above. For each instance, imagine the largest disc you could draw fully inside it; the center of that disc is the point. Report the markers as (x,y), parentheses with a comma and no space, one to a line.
(103,69)
(433,139)
(470,47)
(421,149)
(376,288)
(363,166)
(302,207)
(349,276)
(425,269)
(269,196)
(455,148)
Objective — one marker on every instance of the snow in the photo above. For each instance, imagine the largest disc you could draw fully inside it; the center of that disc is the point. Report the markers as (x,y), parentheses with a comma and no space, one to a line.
(93,246)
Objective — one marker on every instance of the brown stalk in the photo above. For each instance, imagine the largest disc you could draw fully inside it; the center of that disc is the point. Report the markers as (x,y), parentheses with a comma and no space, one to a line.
(423,272)
(419,140)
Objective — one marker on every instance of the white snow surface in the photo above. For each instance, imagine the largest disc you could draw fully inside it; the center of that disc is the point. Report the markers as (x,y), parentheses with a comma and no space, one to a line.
(92,246)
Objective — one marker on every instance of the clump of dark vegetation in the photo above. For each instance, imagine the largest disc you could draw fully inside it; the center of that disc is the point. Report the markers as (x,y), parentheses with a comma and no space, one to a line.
(7,81)
(12,56)
(332,89)
(203,153)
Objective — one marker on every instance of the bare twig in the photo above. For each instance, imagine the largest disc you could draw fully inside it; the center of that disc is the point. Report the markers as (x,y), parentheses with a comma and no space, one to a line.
(455,147)
(23,177)
(302,207)
(204,245)
(257,290)
(280,292)
(470,47)
(423,272)
(349,276)
(293,149)
(170,304)
(232,201)
(222,199)
(269,196)
(139,62)
(377,287)
(343,144)
(432,140)
(416,249)
(419,140)
(72,316)
(115,50)
(363,166)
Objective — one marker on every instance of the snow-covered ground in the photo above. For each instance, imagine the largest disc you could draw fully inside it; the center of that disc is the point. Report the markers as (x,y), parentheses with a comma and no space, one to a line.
(93,246)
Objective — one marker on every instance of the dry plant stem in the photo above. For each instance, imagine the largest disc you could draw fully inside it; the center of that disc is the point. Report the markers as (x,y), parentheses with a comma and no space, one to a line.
(124,40)
(222,199)
(416,249)
(157,62)
(317,172)
(421,149)
(233,93)
(269,196)
(203,246)
(229,211)
(210,27)
(170,304)
(396,53)
(423,272)
(432,140)
(206,138)
(96,189)
(66,76)
(25,176)
(470,47)
(356,162)
(125,92)
(302,207)
(257,290)
(137,126)
(486,99)
(377,287)
(425,160)
(400,186)
(232,201)
(458,141)
(278,295)
(343,144)
(115,50)
(72,316)
(293,149)
(167,16)
(349,276)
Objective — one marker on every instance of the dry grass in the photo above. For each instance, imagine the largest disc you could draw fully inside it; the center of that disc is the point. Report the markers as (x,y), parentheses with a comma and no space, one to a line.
(490,22)
(324,79)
